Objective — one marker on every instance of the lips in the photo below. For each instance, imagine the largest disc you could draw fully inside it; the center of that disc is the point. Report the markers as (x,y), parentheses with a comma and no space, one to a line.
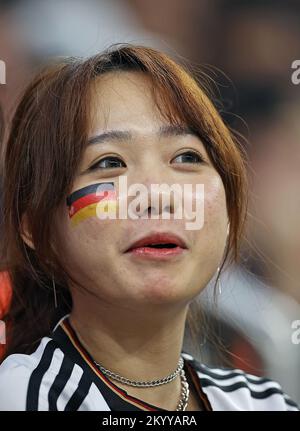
(159,242)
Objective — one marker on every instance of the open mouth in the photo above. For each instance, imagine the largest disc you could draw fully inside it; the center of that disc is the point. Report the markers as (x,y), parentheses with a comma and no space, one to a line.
(167,245)
(157,250)
(157,245)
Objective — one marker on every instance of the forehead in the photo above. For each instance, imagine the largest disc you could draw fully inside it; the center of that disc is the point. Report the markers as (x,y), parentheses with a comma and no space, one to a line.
(123,99)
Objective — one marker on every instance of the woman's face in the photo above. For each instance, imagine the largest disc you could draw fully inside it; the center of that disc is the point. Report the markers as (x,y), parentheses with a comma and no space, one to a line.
(94,249)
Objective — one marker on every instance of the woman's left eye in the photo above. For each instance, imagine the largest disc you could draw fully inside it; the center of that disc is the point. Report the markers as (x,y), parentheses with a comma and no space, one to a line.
(188,157)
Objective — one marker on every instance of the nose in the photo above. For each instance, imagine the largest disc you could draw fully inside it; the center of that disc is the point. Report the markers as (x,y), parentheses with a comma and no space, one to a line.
(156,201)
(160,203)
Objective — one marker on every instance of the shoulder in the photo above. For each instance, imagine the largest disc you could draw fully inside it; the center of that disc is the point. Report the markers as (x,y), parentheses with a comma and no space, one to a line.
(234,389)
(47,380)
(17,371)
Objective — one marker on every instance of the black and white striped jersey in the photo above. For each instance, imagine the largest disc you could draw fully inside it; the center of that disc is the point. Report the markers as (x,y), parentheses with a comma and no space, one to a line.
(61,375)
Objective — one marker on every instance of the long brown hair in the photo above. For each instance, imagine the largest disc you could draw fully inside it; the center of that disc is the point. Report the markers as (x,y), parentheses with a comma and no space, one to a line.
(1,125)
(47,138)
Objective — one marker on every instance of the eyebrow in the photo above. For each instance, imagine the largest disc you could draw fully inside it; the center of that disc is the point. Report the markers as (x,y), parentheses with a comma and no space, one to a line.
(164,131)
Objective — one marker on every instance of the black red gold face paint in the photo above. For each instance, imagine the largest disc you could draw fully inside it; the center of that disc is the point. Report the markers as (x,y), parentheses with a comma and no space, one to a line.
(91,201)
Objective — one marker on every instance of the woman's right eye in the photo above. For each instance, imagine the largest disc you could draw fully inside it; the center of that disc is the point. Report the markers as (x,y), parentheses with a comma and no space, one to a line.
(108,163)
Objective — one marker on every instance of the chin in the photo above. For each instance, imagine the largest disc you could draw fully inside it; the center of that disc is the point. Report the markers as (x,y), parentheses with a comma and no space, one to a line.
(162,291)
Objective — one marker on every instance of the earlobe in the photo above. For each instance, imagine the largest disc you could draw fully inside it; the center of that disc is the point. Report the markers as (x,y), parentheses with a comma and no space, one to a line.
(27,238)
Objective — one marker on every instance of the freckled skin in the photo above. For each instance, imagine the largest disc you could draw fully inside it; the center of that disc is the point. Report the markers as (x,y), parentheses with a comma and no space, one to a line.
(93,250)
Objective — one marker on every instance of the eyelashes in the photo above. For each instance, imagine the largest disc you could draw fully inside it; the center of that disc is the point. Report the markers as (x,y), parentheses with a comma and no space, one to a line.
(191,156)
(110,162)
(114,162)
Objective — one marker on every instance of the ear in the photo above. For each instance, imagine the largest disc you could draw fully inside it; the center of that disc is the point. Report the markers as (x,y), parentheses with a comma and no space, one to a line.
(25,234)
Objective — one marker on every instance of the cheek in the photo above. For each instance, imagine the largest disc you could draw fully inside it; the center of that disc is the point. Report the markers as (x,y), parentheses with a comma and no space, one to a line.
(215,210)
(209,241)
(212,236)
(88,245)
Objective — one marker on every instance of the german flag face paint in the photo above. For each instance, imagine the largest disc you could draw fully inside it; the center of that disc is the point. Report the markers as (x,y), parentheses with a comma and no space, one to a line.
(96,200)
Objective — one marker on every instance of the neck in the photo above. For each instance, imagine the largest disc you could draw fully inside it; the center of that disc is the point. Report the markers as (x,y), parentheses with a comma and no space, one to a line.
(136,345)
